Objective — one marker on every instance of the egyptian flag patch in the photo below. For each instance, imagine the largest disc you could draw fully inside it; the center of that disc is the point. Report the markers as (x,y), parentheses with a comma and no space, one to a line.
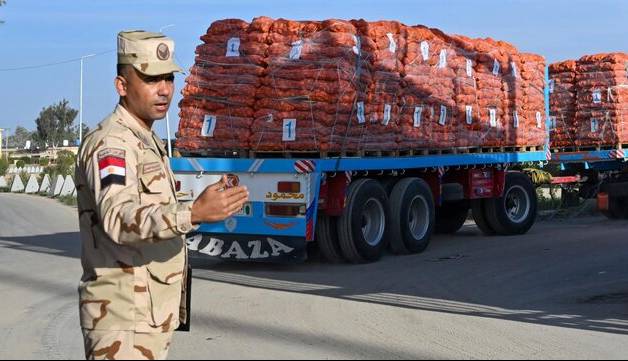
(112,167)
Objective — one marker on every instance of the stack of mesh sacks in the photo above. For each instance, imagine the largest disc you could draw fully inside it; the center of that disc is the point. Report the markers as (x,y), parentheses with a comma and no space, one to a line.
(602,100)
(428,91)
(219,96)
(563,103)
(309,96)
(335,85)
(524,105)
(463,60)
(382,48)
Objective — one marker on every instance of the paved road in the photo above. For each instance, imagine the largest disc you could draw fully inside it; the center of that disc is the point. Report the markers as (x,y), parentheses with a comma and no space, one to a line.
(560,292)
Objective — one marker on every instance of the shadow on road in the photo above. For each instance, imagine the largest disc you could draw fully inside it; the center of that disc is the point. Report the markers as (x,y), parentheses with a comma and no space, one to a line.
(548,279)
(61,244)
(553,280)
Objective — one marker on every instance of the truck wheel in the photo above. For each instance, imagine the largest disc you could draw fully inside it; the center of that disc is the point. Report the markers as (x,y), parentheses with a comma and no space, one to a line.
(412,216)
(327,239)
(362,225)
(478,209)
(388,184)
(450,217)
(515,212)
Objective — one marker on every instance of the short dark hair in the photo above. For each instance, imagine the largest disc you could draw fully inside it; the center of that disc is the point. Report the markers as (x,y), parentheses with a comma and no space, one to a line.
(122,69)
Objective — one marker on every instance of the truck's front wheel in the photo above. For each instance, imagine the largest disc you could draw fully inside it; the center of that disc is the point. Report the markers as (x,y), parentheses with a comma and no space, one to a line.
(515,212)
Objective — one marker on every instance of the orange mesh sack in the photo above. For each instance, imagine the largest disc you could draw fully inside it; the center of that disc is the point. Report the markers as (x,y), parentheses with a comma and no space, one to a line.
(563,104)
(602,100)
(427,101)
(217,111)
(308,99)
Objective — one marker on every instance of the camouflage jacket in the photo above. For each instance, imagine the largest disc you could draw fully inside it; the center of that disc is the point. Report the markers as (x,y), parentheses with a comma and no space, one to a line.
(133,251)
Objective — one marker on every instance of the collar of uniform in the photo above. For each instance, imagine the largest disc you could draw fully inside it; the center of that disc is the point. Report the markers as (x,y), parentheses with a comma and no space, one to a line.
(147,136)
(160,144)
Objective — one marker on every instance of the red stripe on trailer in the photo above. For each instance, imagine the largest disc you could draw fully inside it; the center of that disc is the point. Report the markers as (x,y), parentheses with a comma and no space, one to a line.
(309,231)
(305,166)
(565,180)
(617,154)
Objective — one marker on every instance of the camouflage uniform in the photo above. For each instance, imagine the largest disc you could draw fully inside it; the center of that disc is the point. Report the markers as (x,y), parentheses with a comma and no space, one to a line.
(133,252)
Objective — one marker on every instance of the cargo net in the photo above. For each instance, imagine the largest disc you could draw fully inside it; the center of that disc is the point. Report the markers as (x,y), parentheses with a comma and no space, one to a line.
(342,87)
(589,102)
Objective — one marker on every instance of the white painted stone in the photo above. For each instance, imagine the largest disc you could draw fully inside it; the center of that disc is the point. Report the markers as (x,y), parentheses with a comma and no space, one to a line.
(68,187)
(55,188)
(32,186)
(18,184)
(45,184)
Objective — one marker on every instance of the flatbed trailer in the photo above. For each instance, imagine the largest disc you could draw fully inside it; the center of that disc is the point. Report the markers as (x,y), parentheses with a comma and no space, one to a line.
(600,174)
(354,208)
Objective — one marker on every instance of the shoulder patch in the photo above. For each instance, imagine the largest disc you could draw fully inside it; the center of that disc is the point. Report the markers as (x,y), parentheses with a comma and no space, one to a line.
(151,167)
(111,152)
(112,167)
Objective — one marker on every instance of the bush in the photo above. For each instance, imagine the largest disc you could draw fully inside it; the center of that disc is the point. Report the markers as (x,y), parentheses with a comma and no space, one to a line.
(64,164)
(44,162)
(20,164)
(4,165)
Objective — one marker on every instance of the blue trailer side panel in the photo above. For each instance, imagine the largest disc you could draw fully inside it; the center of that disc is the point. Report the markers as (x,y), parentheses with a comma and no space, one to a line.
(238,165)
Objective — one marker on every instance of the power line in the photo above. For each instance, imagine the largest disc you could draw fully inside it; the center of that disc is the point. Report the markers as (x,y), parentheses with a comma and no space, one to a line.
(52,64)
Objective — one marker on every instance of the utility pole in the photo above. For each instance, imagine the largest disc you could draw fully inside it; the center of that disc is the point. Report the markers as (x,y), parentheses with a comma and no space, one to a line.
(7,147)
(81,100)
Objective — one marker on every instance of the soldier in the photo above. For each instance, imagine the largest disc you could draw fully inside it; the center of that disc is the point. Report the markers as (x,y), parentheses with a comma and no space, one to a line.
(134,257)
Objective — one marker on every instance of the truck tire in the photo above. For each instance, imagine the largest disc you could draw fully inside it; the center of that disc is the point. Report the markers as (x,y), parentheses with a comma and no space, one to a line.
(412,216)
(389,183)
(478,209)
(361,228)
(515,212)
(327,239)
(450,217)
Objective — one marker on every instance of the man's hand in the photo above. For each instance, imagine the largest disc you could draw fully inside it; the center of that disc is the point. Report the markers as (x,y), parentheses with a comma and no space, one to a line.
(217,202)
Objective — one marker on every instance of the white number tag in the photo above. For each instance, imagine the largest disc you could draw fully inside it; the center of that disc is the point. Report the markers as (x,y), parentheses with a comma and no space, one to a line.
(233,47)
(209,126)
(417,116)
(289,130)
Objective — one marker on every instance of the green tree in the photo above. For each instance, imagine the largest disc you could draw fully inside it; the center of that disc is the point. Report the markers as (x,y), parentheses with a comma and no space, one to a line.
(64,164)
(4,165)
(2,2)
(20,137)
(54,124)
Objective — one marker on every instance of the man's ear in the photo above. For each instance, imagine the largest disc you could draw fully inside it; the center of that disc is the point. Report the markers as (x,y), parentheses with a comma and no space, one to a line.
(120,84)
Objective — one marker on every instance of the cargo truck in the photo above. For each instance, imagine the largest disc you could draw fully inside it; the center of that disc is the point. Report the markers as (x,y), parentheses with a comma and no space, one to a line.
(353,208)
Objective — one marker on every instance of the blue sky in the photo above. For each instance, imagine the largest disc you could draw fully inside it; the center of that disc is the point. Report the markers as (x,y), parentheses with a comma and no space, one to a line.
(42,32)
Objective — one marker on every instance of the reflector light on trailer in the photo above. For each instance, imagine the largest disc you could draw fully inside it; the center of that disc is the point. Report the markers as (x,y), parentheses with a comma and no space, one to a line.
(285,210)
(289,187)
